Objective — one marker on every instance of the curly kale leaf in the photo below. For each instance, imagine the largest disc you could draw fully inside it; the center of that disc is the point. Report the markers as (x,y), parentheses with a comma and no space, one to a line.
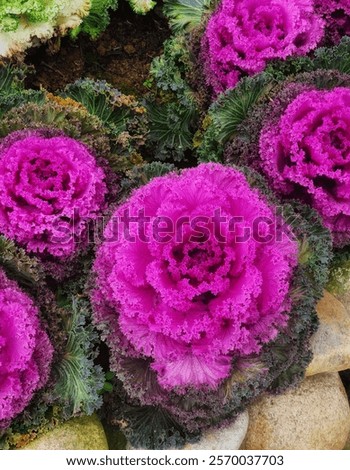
(326,58)
(334,58)
(122,117)
(146,427)
(15,261)
(7,79)
(174,117)
(79,380)
(97,20)
(170,69)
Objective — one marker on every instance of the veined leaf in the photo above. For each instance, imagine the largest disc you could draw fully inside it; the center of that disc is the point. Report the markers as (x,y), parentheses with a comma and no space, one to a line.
(171,128)
(233,107)
(79,380)
(185,15)
(94,96)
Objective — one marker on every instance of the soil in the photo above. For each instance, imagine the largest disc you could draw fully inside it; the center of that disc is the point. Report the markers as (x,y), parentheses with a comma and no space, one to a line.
(121,55)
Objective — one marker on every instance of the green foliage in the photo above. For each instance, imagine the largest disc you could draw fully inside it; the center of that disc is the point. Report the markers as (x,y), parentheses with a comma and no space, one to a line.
(172,128)
(122,118)
(170,69)
(12,92)
(16,262)
(185,15)
(334,58)
(326,58)
(280,69)
(32,11)
(150,427)
(146,427)
(315,247)
(141,7)
(108,385)
(72,120)
(228,113)
(78,381)
(174,116)
(25,22)
(7,77)
(18,98)
(100,100)
(97,20)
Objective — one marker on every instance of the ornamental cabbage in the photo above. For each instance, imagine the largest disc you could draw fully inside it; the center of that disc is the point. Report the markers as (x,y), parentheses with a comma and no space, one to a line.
(191,305)
(76,381)
(99,131)
(306,154)
(243,35)
(195,315)
(22,23)
(298,135)
(25,351)
(50,189)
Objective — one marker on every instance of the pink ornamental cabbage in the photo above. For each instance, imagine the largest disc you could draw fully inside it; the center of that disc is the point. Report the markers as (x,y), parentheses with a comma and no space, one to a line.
(50,189)
(306,154)
(25,351)
(336,13)
(192,301)
(243,35)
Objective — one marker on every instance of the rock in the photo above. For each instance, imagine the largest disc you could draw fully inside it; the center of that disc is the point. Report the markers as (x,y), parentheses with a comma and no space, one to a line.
(76,434)
(331,343)
(227,438)
(314,416)
(344,298)
(129,49)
